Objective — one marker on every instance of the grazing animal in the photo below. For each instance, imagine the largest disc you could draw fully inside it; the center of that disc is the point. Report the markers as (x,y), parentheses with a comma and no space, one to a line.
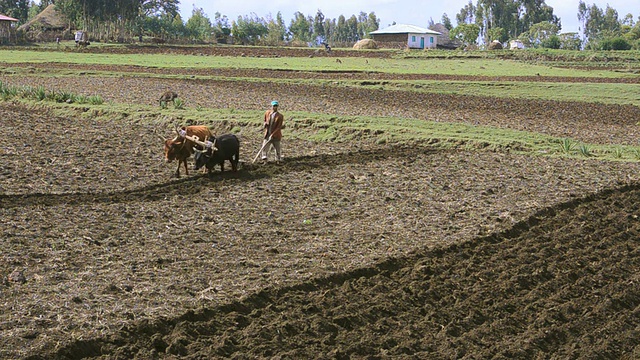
(225,147)
(168,96)
(180,148)
(338,61)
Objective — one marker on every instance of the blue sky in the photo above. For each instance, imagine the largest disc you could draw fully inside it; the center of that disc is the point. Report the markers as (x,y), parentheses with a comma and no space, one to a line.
(414,12)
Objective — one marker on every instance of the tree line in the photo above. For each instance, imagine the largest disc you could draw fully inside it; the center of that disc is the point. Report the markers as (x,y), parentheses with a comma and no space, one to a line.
(533,23)
(530,21)
(130,19)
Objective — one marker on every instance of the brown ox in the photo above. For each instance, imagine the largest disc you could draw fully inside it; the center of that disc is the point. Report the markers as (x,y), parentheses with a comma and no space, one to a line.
(181,148)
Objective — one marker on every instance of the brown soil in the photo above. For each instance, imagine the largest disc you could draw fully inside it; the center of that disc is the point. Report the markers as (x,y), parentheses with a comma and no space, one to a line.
(347,250)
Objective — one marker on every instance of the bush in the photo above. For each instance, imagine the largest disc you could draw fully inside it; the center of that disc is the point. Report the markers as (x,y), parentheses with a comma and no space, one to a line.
(553,42)
(618,43)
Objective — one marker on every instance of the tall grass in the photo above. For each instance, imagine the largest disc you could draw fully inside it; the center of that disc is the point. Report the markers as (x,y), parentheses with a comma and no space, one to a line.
(39,93)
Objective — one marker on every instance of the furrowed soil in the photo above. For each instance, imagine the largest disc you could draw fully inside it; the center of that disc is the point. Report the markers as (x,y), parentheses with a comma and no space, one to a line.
(345,250)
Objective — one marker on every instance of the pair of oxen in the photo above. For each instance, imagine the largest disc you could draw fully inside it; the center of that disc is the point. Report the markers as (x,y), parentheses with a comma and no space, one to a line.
(209,150)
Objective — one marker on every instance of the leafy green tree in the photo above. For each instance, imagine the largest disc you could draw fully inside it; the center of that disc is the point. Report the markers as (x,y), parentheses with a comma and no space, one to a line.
(221,27)
(301,27)
(318,27)
(498,33)
(535,12)
(199,25)
(552,42)
(330,30)
(249,30)
(570,41)
(446,22)
(467,33)
(352,28)
(541,32)
(614,43)
(18,9)
(600,25)
(277,31)
(467,14)
(513,17)
(366,24)
(342,31)
(628,20)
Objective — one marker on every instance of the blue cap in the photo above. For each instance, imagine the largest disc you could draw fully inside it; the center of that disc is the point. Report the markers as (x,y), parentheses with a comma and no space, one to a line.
(274,103)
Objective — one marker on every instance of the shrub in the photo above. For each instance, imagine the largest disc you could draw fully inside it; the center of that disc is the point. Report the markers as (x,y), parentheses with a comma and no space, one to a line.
(618,43)
(553,42)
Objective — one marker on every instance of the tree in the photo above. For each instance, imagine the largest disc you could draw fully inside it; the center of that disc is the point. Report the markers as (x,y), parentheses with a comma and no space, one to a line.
(446,22)
(318,27)
(615,43)
(498,33)
(329,30)
(366,24)
(610,20)
(249,30)
(221,27)
(199,26)
(541,32)
(466,14)
(509,18)
(342,32)
(352,29)
(552,42)
(277,31)
(301,28)
(467,33)
(570,41)
(600,24)
(583,12)
(18,9)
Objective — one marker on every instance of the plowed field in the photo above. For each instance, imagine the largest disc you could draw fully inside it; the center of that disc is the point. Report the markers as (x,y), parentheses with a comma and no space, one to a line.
(346,250)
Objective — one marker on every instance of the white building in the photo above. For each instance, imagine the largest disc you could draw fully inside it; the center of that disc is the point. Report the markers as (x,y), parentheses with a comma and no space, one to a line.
(413,37)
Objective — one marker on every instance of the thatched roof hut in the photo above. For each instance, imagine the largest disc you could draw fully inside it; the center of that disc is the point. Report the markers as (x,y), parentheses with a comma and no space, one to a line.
(444,40)
(48,25)
(48,20)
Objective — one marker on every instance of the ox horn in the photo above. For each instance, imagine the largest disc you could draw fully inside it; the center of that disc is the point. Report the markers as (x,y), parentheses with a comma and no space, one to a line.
(179,132)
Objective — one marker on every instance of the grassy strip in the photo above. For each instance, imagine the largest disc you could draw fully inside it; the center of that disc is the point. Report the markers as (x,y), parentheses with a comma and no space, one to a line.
(606,93)
(327,128)
(410,65)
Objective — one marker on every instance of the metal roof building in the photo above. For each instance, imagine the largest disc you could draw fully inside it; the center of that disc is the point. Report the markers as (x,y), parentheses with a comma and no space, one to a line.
(402,35)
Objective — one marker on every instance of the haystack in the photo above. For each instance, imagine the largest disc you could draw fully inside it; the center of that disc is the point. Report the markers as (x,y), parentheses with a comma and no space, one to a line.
(48,20)
(366,44)
(495,45)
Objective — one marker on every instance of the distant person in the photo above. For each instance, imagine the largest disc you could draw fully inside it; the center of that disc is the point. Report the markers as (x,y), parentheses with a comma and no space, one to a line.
(273,121)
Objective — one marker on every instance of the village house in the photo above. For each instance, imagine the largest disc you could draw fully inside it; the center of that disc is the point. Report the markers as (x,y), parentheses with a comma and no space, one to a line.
(48,25)
(406,36)
(6,28)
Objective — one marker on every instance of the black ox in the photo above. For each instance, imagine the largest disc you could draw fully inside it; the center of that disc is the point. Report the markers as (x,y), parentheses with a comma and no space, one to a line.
(224,147)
